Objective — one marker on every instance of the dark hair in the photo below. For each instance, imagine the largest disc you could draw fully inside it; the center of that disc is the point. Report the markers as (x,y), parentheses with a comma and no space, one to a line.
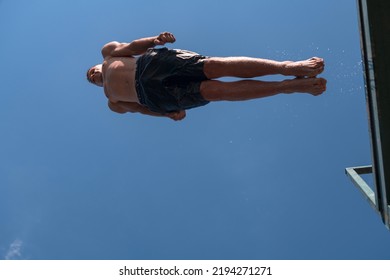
(88,77)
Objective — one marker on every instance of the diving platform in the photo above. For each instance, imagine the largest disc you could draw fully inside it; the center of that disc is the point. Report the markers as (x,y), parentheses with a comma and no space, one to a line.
(374,23)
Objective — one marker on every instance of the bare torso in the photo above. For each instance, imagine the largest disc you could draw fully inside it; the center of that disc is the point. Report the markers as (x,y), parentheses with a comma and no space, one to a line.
(119,79)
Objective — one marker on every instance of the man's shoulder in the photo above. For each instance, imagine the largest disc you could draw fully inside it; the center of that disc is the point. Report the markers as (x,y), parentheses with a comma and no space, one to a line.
(109,48)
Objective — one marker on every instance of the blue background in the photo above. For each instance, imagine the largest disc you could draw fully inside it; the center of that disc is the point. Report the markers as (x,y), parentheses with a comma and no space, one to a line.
(261,179)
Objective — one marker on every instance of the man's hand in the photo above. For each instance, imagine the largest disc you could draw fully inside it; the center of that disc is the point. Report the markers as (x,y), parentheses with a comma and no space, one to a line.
(165,37)
(177,116)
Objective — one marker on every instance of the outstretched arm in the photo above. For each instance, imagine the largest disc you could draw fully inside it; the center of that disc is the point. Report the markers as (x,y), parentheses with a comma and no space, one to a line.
(136,47)
(132,107)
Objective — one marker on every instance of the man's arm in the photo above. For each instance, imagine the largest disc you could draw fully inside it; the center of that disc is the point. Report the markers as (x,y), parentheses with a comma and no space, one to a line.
(132,107)
(136,47)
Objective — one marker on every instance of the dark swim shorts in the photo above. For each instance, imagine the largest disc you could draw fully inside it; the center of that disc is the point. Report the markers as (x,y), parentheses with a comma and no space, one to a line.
(168,80)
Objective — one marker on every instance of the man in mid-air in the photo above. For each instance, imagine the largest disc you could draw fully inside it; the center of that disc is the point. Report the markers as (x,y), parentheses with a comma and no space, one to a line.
(166,82)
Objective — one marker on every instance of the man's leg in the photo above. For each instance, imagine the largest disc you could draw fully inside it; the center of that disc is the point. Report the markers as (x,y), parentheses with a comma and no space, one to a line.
(247,67)
(213,90)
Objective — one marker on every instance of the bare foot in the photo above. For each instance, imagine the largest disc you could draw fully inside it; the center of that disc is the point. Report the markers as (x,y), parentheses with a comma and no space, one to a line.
(314,86)
(306,68)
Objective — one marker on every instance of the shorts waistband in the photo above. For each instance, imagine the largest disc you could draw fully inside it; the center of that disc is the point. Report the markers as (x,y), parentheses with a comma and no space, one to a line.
(138,86)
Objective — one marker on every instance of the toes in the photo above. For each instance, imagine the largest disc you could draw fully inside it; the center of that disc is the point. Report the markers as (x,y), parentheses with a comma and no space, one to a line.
(321,83)
(318,62)
(319,86)
(317,69)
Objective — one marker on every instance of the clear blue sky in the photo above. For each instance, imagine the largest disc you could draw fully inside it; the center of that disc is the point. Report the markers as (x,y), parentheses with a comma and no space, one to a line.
(262,179)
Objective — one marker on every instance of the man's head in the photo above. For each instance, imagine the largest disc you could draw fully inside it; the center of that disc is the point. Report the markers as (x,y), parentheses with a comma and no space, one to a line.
(95,76)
